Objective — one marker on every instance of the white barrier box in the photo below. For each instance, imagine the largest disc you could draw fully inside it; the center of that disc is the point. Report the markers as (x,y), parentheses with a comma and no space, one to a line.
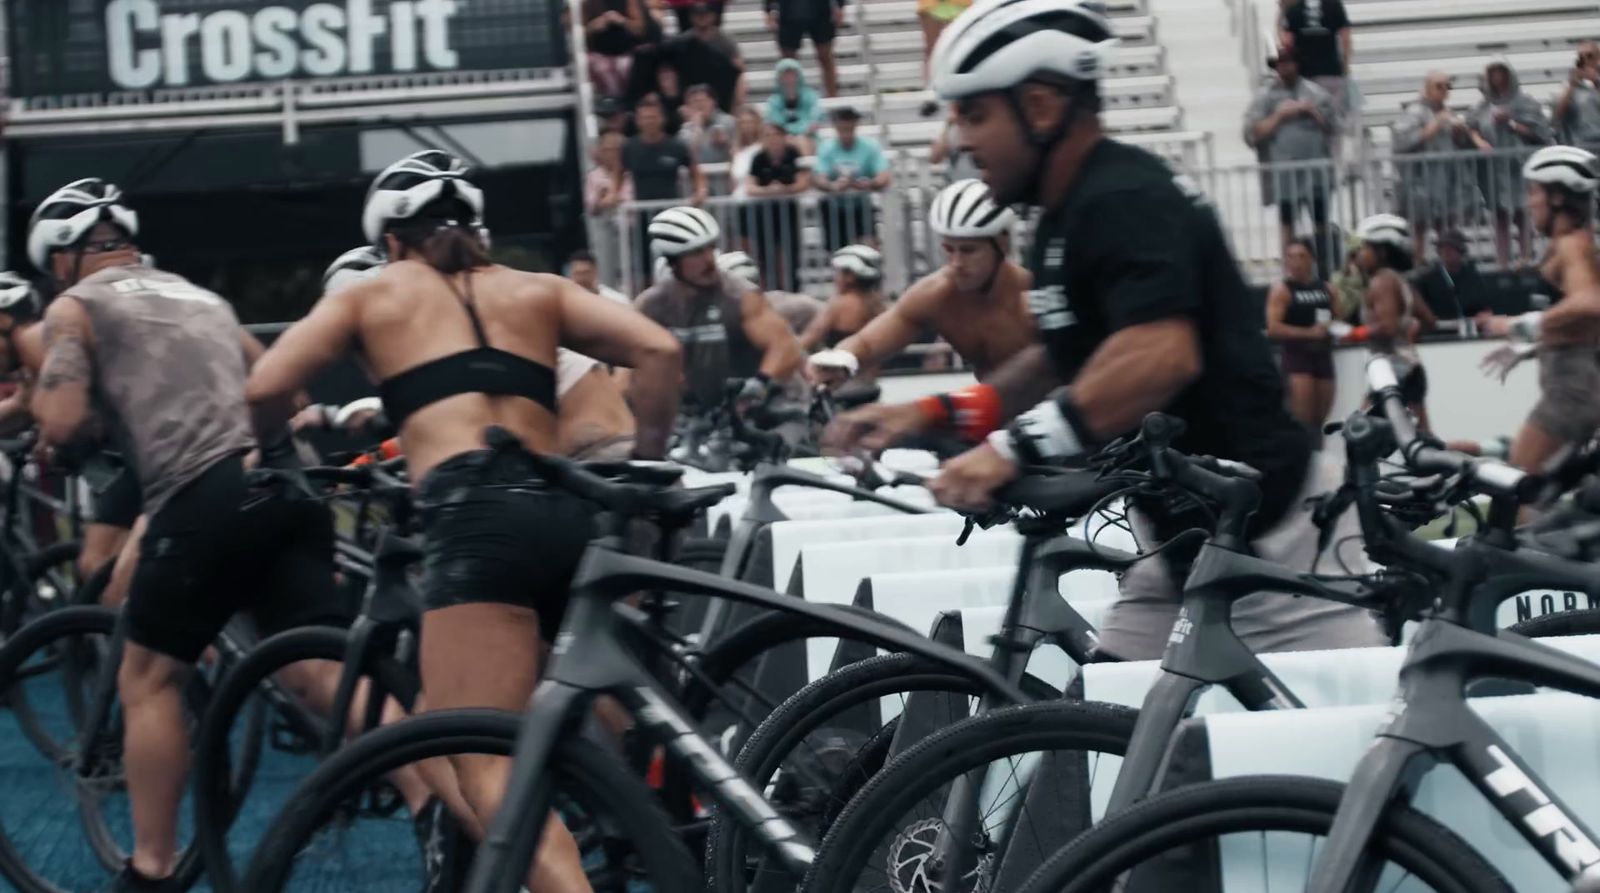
(1318,678)
(832,572)
(1554,733)
(790,537)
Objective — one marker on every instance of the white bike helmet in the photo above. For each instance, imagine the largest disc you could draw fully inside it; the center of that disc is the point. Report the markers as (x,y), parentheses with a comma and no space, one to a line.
(1385,229)
(352,267)
(964,210)
(67,216)
(864,261)
(1574,169)
(998,44)
(737,263)
(681,230)
(407,186)
(662,271)
(17,296)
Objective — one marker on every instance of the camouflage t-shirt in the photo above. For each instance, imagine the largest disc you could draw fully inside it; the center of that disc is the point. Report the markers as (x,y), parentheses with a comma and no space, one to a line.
(169,373)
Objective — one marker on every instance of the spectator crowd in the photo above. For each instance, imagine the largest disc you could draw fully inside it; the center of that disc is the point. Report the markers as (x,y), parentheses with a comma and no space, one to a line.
(1453,165)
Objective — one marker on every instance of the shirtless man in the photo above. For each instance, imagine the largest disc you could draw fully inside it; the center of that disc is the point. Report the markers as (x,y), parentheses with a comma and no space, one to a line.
(976,302)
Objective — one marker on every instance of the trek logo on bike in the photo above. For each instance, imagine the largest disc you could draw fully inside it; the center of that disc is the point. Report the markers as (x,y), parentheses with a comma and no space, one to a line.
(1546,818)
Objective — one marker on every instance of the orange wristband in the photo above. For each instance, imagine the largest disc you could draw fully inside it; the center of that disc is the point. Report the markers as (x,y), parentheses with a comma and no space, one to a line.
(1360,333)
(977,411)
(936,409)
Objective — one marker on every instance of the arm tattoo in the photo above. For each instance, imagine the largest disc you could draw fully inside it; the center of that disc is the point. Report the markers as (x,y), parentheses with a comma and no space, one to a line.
(66,359)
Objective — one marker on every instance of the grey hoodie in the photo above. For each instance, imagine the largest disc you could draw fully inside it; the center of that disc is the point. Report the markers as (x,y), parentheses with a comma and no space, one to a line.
(1500,176)
(1434,185)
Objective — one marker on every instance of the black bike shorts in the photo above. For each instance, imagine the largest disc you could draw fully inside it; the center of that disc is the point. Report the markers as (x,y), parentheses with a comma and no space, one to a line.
(119,504)
(496,533)
(817,26)
(219,547)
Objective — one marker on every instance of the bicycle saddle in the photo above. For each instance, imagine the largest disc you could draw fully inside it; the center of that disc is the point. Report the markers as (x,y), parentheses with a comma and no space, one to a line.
(649,474)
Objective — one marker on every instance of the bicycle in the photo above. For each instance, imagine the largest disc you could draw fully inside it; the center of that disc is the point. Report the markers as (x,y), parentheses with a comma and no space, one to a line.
(841,708)
(550,759)
(927,786)
(1369,820)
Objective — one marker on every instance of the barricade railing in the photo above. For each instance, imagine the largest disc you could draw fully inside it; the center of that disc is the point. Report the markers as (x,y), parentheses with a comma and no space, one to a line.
(1479,193)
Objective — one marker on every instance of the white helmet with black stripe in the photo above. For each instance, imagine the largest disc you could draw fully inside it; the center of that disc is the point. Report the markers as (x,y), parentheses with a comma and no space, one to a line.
(351,267)
(65,218)
(410,184)
(17,296)
(965,210)
(1572,168)
(682,230)
(1385,229)
(998,44)
(737,263)
(863,261)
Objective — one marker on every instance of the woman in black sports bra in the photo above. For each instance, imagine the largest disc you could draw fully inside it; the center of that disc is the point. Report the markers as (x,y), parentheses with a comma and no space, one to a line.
(460,344)
(1564,329)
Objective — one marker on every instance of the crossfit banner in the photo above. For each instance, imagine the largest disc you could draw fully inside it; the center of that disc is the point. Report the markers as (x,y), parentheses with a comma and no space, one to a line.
(74,47)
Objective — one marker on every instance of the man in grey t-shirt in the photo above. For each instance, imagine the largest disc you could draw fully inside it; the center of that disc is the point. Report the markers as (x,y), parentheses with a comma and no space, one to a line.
(159,364)
(1292,120)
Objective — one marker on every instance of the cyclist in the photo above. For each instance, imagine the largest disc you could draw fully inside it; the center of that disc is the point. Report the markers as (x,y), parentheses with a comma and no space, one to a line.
(113,503)
(1562,181)
(857,299)
(976,302)
(1299,312)
(1140,307)
(798,310)
(167,361)
(461,344)
(1391,313)
(727,327)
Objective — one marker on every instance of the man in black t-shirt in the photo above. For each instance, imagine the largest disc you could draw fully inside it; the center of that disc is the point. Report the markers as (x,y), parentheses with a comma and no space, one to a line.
(1319,32)
(656,160)
(1139,305)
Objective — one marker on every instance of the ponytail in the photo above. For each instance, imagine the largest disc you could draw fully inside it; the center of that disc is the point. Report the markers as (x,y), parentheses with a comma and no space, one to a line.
(444,236)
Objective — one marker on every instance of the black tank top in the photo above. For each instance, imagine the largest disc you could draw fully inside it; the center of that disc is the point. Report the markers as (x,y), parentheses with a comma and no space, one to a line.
(477,370)
(1305,299)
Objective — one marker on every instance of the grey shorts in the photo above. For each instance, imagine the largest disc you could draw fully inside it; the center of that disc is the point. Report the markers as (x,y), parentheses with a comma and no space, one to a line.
(1137,626)
(1569,400)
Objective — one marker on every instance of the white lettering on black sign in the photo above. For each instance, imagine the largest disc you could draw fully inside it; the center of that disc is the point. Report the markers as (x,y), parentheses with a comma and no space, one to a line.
(150,48)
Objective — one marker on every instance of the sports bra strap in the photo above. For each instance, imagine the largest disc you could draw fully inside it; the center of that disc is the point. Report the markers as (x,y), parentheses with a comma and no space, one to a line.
(469,303)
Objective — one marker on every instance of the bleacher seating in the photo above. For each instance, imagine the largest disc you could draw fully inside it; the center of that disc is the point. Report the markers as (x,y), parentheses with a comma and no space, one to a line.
(1398,41)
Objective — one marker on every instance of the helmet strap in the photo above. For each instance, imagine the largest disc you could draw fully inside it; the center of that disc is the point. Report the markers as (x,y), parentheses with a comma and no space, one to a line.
(1041,141)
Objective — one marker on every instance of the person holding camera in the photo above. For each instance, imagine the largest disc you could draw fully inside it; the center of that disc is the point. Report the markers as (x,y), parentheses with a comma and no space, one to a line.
(1577,110)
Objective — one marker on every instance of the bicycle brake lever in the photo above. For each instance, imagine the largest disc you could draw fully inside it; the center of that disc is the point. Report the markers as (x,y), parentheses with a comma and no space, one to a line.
(966,531)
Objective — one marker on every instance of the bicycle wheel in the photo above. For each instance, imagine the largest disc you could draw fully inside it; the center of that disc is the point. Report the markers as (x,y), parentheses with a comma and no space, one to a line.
(894,836)
(820,747)
(53,738)
(1217,832)
(624,839)
(65,821)
(750,672)
(1561,623)
(36,582)
(221,797)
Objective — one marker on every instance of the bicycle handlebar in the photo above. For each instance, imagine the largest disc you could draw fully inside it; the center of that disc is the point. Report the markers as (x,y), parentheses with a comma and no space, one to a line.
(1423,455)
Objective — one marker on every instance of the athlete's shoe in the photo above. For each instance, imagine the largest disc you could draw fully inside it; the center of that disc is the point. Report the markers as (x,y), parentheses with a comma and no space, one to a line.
(130,881)
(446,851)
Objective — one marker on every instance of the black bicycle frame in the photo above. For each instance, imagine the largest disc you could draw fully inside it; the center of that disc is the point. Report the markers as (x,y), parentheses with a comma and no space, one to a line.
(562,701)
(1432,723)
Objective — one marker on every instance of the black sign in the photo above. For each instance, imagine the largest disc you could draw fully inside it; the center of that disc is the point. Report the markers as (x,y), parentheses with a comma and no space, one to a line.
(66,47)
